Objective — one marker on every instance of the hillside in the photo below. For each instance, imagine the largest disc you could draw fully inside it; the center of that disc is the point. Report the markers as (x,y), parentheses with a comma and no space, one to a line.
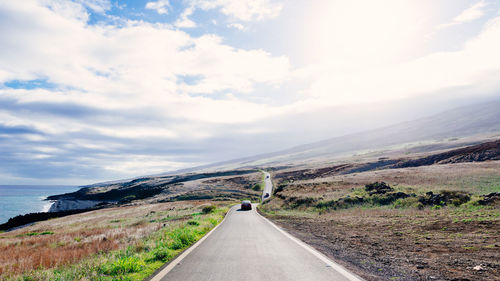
(452,129)
(464,122)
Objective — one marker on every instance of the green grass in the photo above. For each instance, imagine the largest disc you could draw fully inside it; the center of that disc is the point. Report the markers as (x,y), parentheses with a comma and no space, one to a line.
(257,187)
(38,233)
(260,186)
(480,184)
(138,261)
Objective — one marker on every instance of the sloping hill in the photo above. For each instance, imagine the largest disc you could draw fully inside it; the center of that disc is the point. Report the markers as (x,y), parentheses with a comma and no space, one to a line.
(457,123)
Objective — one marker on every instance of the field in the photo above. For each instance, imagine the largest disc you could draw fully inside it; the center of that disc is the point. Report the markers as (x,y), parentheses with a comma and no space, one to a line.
(417,216)
(398,231)
(126,243)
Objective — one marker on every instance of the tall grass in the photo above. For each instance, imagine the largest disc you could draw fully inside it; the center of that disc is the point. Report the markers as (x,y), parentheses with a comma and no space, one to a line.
(102,259)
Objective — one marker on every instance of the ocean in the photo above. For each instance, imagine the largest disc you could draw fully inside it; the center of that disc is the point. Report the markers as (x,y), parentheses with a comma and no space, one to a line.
(22,199)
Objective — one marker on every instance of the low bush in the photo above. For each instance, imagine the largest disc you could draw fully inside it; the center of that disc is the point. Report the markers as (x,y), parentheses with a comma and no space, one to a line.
(208,209)
(409,202)
(257,187)
(160,254)
(280,188)
(182,237)
(445,197)
(122,266)
(295,202)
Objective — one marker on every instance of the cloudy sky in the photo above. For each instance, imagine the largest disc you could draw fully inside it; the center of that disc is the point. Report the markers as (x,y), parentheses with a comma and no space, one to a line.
(94,90)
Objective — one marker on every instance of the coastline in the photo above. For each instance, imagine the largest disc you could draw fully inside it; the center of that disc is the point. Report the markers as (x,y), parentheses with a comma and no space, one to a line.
(16,200)
(48,204)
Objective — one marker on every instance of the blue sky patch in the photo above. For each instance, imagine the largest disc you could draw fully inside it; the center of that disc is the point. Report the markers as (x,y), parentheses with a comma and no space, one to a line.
(30,84)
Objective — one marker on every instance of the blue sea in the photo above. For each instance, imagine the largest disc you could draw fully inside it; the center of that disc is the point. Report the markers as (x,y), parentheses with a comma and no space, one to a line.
(22,199)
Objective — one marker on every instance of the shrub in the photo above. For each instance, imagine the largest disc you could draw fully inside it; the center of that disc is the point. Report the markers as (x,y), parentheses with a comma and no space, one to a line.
(182,237)
(208,209)
(123,265)
(407,202)
(456,198)
(160,254)
(193,222)
(326,204)
(378,187)
(299,202)
(213,221)
(280,188)
(257,187)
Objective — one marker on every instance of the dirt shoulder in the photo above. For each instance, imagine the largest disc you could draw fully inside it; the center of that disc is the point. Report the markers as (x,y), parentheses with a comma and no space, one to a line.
(382,244)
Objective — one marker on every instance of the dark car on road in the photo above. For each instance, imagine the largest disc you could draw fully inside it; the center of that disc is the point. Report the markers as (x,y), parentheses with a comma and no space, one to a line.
(246,205)
(266,195)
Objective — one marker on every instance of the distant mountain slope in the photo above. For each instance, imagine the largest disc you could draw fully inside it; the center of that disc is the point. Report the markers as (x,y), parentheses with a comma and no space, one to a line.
(456,123)
(476,153)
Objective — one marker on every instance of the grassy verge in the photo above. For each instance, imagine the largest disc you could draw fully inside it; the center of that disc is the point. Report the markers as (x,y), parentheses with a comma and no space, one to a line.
(141,259)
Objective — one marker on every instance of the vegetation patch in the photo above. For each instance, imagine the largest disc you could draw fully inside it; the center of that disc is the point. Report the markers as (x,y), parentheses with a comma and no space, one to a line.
(208,209)
(257,187)
(490,199)
(297,202)
(280,188)
(456,198)
(138,260)
(382,194)
(38,233)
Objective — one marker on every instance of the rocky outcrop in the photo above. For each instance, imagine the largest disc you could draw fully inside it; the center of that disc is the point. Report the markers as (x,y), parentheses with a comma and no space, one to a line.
(72,204)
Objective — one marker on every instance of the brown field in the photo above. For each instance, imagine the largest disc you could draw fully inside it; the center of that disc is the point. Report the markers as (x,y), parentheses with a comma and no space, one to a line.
(474,177)
(71,239)
(400,243)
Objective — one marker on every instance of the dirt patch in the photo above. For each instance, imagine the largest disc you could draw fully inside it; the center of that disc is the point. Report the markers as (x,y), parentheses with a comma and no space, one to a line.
(403,245)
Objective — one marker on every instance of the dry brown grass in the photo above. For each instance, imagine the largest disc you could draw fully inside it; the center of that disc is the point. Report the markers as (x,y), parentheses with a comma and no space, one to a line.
(79,236)
(469,177)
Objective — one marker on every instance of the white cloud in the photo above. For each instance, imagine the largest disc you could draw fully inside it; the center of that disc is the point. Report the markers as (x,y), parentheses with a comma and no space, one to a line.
(119,84)
(472,13)
(244,10)
(139,89)
(476,65)
(183,21)
(161,6)
(238,26)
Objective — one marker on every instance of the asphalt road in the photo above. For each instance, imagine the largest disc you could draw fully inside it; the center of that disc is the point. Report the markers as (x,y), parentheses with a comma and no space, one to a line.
(268,186)
(248,247)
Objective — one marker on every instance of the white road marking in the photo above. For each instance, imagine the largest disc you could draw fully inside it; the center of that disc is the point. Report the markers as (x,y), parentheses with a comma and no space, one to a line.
(184,254)
(337,267)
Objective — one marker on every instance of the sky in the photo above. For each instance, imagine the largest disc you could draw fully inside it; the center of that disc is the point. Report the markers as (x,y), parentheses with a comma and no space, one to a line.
(97,90)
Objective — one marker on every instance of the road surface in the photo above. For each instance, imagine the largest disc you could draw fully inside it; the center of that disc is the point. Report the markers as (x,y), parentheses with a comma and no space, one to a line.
(248,247)
(268,186)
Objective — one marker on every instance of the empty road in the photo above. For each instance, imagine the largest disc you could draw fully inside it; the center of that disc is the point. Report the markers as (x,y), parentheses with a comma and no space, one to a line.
(248,247)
